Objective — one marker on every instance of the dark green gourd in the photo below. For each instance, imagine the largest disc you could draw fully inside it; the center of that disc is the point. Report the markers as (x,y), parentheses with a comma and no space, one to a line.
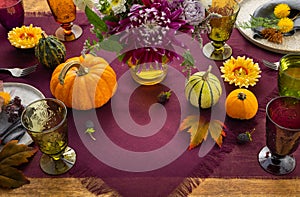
(50,52)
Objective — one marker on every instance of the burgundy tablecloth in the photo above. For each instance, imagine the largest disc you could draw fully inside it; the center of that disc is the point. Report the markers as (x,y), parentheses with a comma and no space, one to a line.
(230,161)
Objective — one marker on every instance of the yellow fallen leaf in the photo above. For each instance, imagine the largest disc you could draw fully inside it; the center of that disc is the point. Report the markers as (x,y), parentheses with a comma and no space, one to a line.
(199,129)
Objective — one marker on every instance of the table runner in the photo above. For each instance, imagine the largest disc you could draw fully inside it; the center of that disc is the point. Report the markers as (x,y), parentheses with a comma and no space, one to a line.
(189,164)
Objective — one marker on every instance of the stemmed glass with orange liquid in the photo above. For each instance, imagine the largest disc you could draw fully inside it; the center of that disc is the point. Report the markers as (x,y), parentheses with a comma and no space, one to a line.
(64,12)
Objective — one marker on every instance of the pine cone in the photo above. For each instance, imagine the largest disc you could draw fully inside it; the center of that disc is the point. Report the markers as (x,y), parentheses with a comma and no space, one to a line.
(272,35)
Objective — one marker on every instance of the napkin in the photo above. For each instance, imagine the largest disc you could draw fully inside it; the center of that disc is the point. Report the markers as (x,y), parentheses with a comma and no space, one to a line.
(12,131)
(266,10)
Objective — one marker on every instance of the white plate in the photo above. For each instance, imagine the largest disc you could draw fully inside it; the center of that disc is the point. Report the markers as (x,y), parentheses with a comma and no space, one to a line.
(28,94)
(291,44)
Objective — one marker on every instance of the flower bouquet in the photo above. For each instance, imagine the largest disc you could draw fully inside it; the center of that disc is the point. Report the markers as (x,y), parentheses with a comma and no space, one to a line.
(143,32)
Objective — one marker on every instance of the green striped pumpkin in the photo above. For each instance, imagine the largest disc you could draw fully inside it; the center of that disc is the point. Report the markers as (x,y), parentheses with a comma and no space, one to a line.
(50,52)
(203,89)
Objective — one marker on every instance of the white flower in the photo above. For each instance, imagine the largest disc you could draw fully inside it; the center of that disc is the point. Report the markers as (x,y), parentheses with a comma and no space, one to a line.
(118,6)
(81,4)
(194,11)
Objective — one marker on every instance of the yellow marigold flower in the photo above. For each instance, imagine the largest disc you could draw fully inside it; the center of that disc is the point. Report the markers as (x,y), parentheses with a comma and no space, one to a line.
(241,71)
(285,25)
(25,37)
(5,96)
(282,10)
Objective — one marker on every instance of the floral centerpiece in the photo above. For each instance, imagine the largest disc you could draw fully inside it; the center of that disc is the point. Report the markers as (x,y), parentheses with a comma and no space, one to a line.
(143,31)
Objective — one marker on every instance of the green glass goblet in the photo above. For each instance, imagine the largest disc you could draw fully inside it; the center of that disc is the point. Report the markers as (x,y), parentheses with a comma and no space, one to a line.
(289,75)
(46,122)
(221,29)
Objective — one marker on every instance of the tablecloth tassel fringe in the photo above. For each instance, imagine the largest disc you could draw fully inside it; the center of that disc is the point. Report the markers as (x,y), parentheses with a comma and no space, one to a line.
(37,14)
(98,187)
(185,188)
(205,167)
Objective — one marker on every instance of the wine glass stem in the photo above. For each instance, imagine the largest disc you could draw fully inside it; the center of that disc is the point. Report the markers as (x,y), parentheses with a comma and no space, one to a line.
(67,28)
(218,45)
(59,155)
(276,158)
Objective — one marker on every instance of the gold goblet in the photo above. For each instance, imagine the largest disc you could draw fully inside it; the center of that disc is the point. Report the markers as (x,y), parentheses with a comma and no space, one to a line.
(64,12)
(46,122)
(221,29)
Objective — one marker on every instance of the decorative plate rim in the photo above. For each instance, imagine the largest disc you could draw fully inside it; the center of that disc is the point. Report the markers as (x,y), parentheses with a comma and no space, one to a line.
(26,139)
(289,44)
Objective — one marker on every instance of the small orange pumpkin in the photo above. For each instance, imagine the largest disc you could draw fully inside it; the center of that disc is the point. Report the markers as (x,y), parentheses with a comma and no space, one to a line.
(83,82)
(241,104)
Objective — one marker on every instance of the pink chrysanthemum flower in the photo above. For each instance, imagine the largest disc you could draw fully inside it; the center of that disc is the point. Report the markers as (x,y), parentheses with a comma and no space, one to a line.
(150,28)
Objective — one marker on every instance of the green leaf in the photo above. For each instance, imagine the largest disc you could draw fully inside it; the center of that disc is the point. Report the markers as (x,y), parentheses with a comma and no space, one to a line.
(111,44)
(121,56)
(188,58)
(110,18)
(188,63)
(256,22)
(99,36)
(95,20)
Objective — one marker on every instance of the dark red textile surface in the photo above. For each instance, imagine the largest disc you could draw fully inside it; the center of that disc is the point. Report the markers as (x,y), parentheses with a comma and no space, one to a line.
(230,161)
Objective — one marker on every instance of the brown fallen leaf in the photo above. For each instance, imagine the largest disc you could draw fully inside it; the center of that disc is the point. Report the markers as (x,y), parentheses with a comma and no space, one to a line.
(199,129)
(11,177)
(11,156)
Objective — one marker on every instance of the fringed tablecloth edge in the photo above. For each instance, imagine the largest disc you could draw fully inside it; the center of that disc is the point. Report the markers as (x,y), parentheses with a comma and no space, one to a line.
(98,187)
(37,14)
(205,167)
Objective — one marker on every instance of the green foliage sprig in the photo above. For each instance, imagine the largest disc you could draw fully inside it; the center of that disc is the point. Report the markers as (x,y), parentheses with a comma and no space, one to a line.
(188,63)
(256,22)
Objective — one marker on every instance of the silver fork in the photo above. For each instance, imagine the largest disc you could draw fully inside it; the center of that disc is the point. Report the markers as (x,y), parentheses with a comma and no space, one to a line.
(272,65)
(20,72)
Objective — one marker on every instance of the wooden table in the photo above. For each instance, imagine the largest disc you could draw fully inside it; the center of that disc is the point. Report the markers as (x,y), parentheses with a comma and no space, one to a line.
(208,187)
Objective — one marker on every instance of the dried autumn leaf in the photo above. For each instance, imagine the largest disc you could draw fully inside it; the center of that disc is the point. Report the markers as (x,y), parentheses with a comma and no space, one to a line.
(13,155)
(216,131)
(11,177)
(199,129)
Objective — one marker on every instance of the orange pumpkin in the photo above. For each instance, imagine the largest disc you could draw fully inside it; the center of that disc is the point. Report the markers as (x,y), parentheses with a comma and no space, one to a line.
(241,104)
(84,82)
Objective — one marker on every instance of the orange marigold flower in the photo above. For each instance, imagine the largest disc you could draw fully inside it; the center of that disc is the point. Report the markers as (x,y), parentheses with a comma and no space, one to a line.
(5,96)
